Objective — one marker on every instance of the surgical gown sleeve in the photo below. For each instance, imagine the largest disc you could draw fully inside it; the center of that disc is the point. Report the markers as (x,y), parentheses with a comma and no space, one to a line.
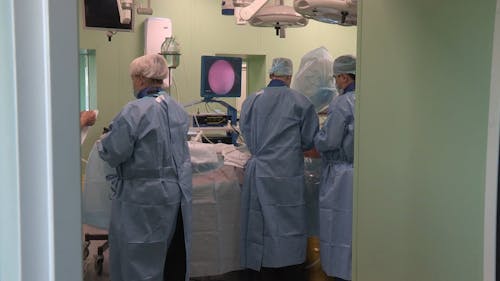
(117,145)
(245,125)
(330,136)
(309,127)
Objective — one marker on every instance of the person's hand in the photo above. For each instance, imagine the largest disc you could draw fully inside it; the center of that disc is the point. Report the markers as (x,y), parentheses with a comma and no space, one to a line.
(87,118)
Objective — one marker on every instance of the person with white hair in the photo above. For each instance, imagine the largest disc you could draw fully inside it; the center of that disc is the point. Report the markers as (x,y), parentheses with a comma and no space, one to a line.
(149,231)
(278,124)
(335,142)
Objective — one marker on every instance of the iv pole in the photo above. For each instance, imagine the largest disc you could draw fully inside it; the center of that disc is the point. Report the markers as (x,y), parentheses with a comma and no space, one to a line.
(171,52)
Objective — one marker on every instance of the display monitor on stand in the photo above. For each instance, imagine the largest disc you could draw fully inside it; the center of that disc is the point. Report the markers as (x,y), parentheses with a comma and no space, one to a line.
(221,78)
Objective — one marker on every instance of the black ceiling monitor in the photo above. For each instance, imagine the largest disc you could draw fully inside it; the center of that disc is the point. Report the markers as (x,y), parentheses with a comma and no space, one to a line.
(104,15)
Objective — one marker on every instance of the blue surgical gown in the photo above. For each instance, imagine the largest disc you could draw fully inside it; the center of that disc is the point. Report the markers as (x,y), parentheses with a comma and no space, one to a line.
(278,124)
(335,142)
(147,145)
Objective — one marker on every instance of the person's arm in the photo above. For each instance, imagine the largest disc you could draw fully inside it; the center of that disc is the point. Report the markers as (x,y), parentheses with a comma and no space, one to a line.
(244,122)
(309,127)
(117,145)
(330,135)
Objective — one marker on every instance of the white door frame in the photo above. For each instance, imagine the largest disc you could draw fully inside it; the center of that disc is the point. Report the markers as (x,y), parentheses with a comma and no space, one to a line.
(42,174)
(490,194)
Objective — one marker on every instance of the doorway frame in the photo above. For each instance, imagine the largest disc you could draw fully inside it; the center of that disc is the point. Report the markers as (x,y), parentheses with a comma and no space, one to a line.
(492,165)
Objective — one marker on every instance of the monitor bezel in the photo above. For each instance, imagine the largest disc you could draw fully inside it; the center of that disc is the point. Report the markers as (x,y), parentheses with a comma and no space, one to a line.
(129,27)
(206,62)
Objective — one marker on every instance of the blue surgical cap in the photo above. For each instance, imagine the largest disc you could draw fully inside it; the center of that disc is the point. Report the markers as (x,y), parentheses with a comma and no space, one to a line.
(281,67)
(344,64)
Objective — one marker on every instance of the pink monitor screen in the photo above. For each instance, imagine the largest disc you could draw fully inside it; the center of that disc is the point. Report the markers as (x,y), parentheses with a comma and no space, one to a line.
(221,77)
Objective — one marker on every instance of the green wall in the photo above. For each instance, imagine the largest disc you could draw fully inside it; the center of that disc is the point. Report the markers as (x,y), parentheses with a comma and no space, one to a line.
(422,122)
(201,30)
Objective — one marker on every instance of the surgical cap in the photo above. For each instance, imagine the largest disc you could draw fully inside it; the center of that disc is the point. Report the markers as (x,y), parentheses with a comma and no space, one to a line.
(281,67)
(344,64)
(151,66)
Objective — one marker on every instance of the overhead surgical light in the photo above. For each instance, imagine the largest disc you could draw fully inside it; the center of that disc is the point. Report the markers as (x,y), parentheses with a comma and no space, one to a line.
(277,15)
(342,12)
(247,9)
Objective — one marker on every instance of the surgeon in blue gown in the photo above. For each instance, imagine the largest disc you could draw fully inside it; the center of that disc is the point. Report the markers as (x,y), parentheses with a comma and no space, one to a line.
(149,232)
(335,142)
(278,124)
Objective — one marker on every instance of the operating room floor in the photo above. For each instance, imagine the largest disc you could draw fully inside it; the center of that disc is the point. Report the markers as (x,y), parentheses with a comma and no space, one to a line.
(90,270)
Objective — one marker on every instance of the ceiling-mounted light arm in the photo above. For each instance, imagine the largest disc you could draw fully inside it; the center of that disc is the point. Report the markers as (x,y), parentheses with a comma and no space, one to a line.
(127,4)
(280,30)
(145,10)
(125,8)
(344,15)
(246,13)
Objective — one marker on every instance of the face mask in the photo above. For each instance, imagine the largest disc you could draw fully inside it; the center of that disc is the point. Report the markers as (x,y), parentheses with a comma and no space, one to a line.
(339,90)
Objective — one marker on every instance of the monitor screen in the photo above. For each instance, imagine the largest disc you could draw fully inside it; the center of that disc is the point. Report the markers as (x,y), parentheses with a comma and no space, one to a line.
(220,76)
(104,14)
